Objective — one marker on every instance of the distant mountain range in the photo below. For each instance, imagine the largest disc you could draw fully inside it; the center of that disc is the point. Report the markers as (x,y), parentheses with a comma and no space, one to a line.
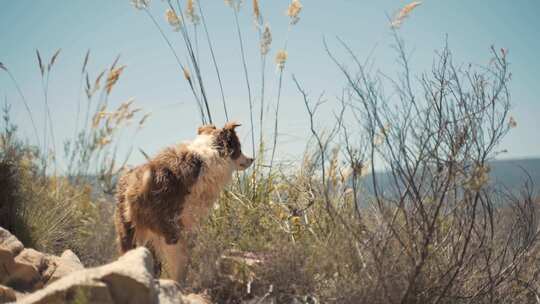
(510,174)
(513,173)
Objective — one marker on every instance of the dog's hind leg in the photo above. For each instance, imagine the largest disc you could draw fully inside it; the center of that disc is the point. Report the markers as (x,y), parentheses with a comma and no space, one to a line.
(157,259)
(176,259)
(125,232)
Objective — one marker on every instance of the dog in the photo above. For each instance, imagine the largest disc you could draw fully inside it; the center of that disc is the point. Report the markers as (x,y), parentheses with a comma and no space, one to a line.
(172,192)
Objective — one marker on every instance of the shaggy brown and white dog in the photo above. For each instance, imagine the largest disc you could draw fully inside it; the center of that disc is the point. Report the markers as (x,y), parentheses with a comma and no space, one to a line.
(173,191)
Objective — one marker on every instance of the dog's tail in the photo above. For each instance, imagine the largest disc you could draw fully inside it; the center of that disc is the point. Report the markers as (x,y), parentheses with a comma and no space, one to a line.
(147,181)
(138,187)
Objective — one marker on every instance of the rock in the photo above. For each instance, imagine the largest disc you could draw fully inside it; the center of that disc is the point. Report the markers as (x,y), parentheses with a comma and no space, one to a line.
(128,280)
(25,272)
(195,299)
(69,257)
(169,292)
(10,246)
(7,263)
(73,291)
(28,269)
(9,243)
(7,294)
(58,267)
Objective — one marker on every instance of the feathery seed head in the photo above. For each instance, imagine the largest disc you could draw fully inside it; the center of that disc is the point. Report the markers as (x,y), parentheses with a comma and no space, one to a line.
(256,11)
(234,4)
(96,119)
(294,11)
(113,77)
(104,141)
(187,75)
(512,123)
(266,40)
(173,19)
(143,119)
(40,63)
(191,14)
(404,13)
(85,62)
(281,58)
(126,104)
(53,60)
(140,4)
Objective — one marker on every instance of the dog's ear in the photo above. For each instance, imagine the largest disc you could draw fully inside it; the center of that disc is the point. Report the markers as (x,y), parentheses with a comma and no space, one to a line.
(206,129)
(231,125)
(227,141)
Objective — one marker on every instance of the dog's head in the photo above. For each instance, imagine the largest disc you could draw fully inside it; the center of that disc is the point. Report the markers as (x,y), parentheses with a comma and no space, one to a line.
(227,143)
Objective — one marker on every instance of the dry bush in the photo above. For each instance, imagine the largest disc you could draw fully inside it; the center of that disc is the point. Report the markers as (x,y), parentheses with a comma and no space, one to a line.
(429,228)
(48,213)
(52,206)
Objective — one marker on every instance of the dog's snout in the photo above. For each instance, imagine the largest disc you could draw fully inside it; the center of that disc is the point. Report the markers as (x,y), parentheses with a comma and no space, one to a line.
(246,162)
(243,162)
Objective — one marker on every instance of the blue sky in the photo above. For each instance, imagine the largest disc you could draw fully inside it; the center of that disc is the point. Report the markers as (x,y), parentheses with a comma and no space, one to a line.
(114,27)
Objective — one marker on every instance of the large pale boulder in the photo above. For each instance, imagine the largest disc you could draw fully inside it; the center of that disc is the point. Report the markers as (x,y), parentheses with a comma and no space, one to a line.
(128,280)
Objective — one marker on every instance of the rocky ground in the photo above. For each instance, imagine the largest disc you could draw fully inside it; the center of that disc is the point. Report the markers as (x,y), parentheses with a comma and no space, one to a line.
(29,276)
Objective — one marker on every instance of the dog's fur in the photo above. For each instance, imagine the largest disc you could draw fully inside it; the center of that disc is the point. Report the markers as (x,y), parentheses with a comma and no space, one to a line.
(172,192)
